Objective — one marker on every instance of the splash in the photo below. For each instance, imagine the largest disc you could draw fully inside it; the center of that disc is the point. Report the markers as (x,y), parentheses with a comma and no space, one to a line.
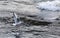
(49,5)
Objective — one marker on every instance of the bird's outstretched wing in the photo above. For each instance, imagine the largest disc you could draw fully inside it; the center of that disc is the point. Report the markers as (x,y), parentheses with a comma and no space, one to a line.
(16,19)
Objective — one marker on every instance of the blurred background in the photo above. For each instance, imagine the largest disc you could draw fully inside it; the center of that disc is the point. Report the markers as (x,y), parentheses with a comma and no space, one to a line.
(40,18)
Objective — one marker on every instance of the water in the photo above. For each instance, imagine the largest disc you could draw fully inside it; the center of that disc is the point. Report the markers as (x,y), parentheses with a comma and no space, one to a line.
(27,29)
(50,10)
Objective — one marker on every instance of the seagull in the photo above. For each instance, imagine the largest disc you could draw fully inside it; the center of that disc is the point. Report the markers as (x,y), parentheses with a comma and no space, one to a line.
(16,22)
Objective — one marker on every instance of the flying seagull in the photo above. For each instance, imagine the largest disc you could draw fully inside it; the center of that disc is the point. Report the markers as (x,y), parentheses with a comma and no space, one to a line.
(15,18)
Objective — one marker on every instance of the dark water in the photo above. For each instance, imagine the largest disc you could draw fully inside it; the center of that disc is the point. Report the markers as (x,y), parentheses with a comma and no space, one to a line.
(26,30)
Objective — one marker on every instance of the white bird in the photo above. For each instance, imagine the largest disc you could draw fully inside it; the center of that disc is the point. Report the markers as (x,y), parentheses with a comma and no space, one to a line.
(16,22)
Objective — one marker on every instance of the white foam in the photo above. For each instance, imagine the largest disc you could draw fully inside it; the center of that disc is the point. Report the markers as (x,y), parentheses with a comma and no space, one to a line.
(49,5)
